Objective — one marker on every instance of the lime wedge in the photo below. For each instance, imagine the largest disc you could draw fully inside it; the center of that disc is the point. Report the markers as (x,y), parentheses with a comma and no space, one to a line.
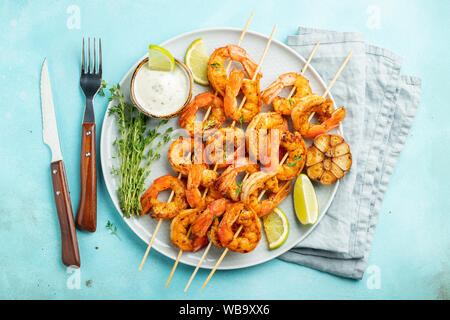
(305,200)
(160,59)
(276,227)
(196,59)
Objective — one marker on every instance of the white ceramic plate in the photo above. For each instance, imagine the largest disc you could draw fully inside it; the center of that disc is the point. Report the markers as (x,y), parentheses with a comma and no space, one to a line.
(279,59)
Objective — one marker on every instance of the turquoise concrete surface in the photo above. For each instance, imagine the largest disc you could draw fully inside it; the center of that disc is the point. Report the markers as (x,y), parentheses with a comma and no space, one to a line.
(410,252)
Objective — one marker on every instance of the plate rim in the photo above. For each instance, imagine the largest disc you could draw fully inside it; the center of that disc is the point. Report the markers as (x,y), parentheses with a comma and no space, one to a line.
(104,166)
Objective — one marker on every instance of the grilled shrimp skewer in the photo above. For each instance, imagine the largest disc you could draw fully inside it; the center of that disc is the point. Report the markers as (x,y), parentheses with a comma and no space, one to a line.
(239,230)
(232,125)
(300,86)
(206,117)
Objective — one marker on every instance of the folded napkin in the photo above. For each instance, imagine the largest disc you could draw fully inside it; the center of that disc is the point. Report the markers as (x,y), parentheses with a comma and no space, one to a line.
(380,107)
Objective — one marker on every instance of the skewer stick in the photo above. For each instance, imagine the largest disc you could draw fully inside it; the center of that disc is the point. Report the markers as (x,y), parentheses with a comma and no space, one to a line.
(259,66)
(334,79)
(174,268)
(306,65)
(226,251)
(244,31)
(215,168)
(254,77)
(282,161)
(338,73)
(241,38)
(205,253)
(150,244)
(220,260)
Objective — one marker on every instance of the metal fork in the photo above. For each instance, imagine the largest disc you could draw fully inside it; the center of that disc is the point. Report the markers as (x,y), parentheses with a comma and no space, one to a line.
(90,81)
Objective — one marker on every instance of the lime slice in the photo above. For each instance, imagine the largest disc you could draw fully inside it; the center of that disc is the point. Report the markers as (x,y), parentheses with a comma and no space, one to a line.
(160,59)
(276,227)
(305,200)
(196,59)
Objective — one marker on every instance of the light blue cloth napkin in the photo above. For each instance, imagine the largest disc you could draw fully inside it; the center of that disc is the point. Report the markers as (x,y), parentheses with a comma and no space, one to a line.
(380,105)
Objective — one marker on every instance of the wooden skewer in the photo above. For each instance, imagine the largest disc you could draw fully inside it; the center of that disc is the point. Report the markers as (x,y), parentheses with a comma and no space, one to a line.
(150,244)
(338,73)
(259,66)
(282,161)
(225,252)
(234,237)
(220,260)
(244,31)
(325,93)
(175,266)
(305,66)
(334,80)
(241,38)
(215,167)
(254,77)
(205,253)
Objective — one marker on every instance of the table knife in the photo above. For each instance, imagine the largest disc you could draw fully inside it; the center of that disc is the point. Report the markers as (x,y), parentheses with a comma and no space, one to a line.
(70,252)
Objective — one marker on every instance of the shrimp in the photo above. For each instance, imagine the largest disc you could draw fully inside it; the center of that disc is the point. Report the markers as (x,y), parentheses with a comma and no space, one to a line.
(203,100)
(226,184)
(164,210)
(213,233)
(214,210)
(295,146)
(284,105)
(264,121)
(248,238)
(251,91)
(180,234)
(179,155)
(328,118)
(257,182)
(217,75)
(224,146)
(193,194)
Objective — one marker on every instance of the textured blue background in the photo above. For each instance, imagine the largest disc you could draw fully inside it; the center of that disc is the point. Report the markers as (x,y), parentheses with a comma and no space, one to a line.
(411,245)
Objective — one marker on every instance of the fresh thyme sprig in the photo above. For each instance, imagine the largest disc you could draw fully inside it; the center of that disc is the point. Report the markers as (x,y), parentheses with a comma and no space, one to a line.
(239,188)
(241,120)
(209,124)
(293,164)
(137,149)
(113,229)
(215,65)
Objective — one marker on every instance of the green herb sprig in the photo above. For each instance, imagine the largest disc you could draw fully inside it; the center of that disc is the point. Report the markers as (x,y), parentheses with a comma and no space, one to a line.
(113,229)
(239,187)
(137,149)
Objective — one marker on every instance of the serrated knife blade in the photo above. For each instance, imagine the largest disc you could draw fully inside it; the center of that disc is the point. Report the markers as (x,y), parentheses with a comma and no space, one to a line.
(49,126)
(69,242)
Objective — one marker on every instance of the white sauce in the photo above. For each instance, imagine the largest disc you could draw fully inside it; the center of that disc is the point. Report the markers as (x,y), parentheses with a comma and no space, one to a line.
(161,93)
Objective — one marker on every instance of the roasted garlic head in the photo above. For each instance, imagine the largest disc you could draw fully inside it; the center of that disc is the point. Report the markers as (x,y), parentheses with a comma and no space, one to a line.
(328,159)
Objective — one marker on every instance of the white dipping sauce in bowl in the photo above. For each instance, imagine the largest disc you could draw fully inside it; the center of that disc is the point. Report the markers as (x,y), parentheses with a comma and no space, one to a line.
(161,94)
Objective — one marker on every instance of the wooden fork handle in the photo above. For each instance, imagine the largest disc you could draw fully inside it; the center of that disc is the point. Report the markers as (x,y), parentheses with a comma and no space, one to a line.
(87,210)
(70,253)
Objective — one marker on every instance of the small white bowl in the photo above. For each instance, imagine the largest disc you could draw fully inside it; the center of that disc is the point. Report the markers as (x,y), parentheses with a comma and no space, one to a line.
(174,114)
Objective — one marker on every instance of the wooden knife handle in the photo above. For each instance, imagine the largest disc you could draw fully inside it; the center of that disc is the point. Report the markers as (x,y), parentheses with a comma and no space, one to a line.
(87,210)
(70,253)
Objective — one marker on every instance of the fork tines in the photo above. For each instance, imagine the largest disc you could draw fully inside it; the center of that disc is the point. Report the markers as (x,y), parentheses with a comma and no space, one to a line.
(93,70)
